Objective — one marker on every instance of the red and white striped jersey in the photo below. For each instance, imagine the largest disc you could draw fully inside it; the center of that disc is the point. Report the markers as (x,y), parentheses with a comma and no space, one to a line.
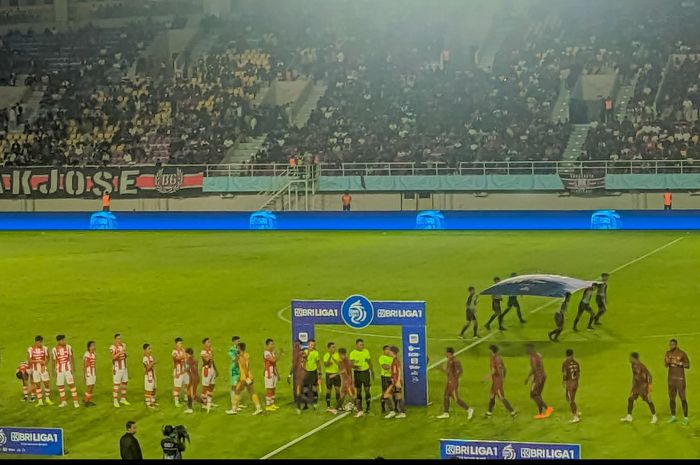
(148,361)
(62,356)
(179,356)
(23,367)
(89,363)
(207,358)
(270,363)
(38,358)
(118,356)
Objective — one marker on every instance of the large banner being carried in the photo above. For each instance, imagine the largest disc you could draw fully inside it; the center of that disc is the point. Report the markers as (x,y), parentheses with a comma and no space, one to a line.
(92,182)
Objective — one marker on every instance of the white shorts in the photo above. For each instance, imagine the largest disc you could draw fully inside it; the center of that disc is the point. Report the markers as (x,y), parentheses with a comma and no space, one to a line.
(149,382)
(185,379)
(120,376)
(270,382)
(39,376)
(208,376)
(63,378)
(178,379)
(90,380)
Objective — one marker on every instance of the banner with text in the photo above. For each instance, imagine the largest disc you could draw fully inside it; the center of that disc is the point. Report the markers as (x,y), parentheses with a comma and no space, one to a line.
(31,441)
(581,183)
(92,182)
(505,450)
(357,312)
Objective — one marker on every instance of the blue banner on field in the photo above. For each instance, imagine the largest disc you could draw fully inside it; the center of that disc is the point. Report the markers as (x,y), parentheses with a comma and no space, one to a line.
(505,450)
(358,312)
(31,441)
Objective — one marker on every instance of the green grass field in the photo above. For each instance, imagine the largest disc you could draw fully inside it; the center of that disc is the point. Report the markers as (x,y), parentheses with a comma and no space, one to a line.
(152,287)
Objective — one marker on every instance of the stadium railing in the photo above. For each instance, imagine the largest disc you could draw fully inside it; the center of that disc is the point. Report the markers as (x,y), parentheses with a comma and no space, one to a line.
(430,168)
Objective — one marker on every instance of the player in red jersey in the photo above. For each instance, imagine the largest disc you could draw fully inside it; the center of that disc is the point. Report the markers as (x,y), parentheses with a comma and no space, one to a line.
(63,363)
(179,356)
(38,357)
(208,374)
(23,374)
(497,377)
(347,386)
(89,370)
(149,377)
(538,378)
(393,393)
(191,378)
(271,375)
(120,375)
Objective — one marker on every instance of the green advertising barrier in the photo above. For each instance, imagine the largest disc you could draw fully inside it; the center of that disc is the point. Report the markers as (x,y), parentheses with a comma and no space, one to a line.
(652,181)
(244,183)
(539,182)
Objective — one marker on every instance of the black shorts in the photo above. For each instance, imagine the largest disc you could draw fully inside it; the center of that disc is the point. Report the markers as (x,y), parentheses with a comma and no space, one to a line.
(584,307)
(335,381)
(346,208)
(311,378)
(600,303)
(471,315)
(362,378)
(513,302)
(386,382)
(496,307)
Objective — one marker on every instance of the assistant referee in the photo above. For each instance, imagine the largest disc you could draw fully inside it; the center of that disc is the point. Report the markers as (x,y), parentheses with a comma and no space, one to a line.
(363,374)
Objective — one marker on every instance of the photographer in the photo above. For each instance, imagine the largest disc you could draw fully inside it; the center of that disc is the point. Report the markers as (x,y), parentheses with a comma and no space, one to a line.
(173,442)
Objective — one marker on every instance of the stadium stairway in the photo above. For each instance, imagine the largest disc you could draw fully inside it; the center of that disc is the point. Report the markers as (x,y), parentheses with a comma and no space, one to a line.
(241,152)
(623,97)
(315,95)
(560,112)
(574,146)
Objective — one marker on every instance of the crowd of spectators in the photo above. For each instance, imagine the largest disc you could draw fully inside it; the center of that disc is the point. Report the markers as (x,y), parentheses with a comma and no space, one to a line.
(391,97)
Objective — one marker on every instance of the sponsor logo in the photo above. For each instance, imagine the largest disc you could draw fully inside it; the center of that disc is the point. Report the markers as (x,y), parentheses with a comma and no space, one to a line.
(357,312)
(17,436)
(301,312)
(415,379)
(412,339)
(532,453)
(3,438)
(392,313)
(414,373)
(414,354)
(471,450)
(414,367)
(168,183)
(304,337)
(414,361)
(508,452)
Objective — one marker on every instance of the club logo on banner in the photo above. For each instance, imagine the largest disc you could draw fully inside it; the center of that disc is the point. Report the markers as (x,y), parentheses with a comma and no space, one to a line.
(583,183)
(357,312)
(31,441)
(503,450)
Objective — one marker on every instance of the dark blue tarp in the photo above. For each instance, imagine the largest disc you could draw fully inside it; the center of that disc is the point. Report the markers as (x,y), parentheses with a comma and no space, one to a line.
(543,285)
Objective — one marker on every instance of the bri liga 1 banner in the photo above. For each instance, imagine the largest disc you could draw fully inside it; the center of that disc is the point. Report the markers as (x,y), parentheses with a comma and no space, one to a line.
(505,450)
(31,441)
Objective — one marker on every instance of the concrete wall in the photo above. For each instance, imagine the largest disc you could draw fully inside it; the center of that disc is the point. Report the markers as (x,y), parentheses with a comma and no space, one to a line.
(377,202)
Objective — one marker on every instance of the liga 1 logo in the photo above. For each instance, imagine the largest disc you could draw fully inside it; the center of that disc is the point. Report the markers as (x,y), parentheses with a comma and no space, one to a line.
(357,311)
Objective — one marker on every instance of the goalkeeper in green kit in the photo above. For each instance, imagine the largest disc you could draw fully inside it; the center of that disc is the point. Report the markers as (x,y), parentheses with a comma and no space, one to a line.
(235,372)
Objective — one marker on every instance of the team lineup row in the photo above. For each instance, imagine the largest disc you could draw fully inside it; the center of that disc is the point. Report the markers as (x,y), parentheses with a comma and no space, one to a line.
(349,376)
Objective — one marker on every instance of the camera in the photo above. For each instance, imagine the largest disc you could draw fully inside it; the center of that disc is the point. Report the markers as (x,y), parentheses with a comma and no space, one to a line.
(173,443)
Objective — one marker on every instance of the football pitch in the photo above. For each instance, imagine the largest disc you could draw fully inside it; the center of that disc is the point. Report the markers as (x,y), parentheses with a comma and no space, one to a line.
(152,287)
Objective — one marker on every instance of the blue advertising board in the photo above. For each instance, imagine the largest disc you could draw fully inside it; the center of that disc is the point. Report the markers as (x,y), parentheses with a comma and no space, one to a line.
(358,312)
(506,450)
(31,441)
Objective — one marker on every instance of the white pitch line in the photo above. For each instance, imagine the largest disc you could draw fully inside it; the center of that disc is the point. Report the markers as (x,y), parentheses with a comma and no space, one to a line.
(671,335)
(622,267)
(463,349)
